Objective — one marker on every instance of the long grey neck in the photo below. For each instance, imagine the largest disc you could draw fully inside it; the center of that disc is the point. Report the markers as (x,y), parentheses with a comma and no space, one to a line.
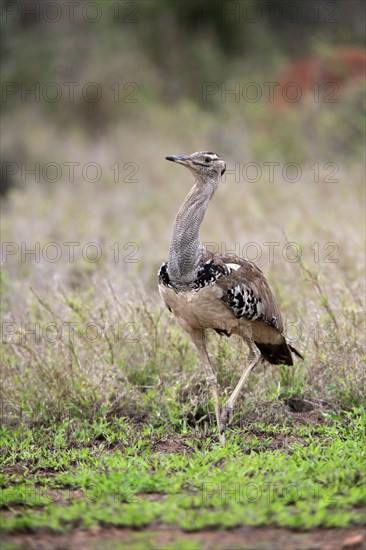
(185,247)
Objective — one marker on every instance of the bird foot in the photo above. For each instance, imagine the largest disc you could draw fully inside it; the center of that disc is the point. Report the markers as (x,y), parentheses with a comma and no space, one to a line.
(226,417)
(222,439)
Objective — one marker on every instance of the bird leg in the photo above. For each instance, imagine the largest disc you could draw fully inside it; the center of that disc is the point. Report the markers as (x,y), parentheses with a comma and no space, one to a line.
(227,411)
(198,338)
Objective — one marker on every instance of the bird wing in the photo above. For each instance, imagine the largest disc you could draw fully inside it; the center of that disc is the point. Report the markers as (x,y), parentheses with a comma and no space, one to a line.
(245,289)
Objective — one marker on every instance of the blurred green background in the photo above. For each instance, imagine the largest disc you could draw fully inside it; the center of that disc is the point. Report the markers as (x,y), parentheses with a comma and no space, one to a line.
(99,66)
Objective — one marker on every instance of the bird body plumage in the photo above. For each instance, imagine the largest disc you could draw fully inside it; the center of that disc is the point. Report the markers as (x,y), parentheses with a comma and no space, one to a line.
(222,292)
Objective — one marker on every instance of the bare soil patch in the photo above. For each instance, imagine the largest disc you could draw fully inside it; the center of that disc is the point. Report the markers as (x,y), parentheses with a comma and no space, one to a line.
(171,445)
(245,537)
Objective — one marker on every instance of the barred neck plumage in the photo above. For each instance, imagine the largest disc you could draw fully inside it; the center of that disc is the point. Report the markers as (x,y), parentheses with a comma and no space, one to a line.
(185,247)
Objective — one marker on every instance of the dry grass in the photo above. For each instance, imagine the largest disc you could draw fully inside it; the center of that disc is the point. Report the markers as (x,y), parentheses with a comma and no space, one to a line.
(149,362)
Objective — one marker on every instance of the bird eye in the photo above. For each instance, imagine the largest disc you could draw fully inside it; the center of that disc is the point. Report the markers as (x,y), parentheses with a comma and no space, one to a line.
(207,159)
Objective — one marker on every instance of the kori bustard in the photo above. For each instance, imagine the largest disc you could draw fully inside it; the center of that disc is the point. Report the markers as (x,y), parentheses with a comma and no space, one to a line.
(218,291)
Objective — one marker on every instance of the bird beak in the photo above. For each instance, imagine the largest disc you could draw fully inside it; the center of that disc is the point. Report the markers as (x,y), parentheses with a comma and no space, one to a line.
(180,160)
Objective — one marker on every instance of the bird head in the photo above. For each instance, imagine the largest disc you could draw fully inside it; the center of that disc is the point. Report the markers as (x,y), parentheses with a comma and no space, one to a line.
(203,164)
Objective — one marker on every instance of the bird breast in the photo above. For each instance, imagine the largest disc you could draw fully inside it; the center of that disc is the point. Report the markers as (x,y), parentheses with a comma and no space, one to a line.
(202,309)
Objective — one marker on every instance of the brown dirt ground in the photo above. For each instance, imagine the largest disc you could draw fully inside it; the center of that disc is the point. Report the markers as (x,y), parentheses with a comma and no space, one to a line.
(245,538)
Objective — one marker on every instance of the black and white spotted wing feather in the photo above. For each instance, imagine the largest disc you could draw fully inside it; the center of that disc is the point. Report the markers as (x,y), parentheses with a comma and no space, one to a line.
(247,293)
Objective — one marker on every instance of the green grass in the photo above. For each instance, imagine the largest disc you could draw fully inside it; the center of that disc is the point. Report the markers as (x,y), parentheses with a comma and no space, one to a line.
(80,475)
